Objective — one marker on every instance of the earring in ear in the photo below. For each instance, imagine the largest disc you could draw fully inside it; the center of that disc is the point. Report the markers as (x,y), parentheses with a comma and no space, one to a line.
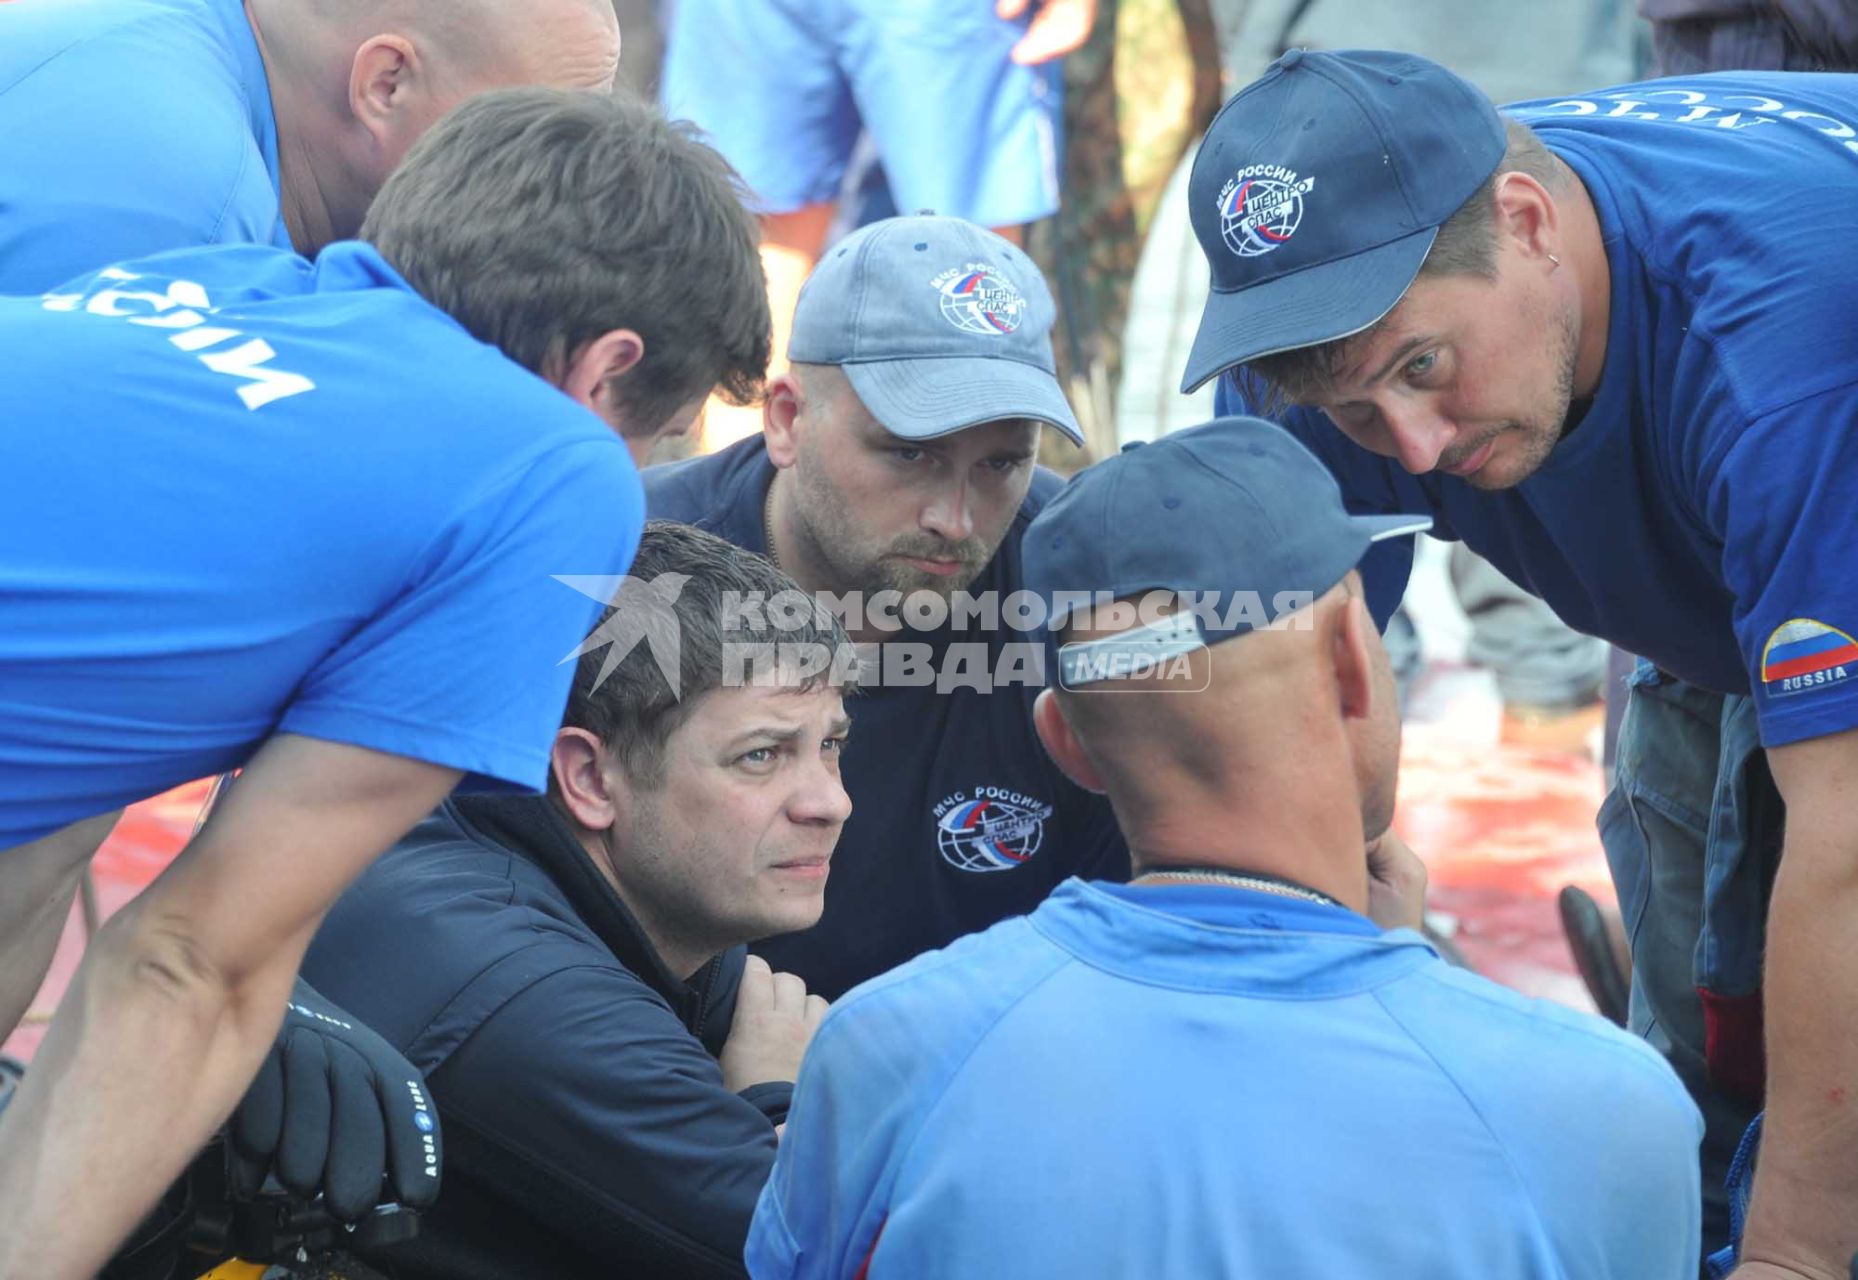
(1557,261)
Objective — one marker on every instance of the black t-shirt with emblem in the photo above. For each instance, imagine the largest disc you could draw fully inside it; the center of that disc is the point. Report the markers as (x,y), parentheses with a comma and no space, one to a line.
(959,817)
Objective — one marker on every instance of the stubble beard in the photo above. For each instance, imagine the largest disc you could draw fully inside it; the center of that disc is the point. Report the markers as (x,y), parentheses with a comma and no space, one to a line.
(829,540)
(1537,437)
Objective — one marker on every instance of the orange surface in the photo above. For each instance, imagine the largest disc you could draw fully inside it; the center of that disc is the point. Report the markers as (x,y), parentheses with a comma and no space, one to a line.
(1501,828)
(144,842)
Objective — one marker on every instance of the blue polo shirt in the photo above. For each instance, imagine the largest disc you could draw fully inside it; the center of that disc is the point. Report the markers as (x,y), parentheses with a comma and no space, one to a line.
(128,127)
(1702,512)
(246,494)
(959,817)
(1209,1081)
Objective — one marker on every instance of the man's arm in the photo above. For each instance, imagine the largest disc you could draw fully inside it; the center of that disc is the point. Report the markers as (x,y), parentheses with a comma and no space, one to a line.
(1803,1219)
(182,993)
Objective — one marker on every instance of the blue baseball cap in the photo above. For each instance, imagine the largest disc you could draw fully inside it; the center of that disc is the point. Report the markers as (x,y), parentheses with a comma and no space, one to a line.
(939,325)
(1318,192)
(1235,505)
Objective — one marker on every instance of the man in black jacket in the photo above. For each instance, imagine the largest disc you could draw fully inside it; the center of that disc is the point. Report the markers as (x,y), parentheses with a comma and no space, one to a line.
(568,970)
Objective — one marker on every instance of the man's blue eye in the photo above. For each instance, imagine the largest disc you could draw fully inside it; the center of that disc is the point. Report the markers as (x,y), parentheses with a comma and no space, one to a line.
(1421,365)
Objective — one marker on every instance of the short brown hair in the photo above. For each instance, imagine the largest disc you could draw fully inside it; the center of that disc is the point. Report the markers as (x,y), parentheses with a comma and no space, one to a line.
(723,600)
(1466,246)
(543,218)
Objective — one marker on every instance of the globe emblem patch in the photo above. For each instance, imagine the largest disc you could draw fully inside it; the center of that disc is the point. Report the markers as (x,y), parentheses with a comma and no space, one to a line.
(978,299)
(998,832)
(1261,208)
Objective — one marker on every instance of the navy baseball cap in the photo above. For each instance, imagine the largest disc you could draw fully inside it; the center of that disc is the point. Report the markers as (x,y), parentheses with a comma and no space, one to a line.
(1318,192)
(940,325)
(1235,505)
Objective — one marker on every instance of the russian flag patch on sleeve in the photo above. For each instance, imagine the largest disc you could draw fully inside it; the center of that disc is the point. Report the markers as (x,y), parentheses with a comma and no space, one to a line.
(1803,655)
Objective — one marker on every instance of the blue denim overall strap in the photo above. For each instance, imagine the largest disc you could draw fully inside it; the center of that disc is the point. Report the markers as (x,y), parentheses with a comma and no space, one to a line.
(1692,834)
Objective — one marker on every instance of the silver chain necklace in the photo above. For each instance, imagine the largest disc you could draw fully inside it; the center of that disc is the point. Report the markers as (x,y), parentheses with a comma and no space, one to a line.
(767,525)
(1261,884)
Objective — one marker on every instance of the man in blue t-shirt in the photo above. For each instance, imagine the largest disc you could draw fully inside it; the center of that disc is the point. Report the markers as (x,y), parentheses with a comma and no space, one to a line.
(1224,1067)
(896,474)
(128,127)
(305,518)
(1608,346)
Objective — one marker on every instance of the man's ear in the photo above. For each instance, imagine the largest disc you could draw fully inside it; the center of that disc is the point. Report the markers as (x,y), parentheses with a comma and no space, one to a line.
(380,76)
(1055,732)
(779,412)
(593,370)
(577,767)
(1353,653)
(1526,213)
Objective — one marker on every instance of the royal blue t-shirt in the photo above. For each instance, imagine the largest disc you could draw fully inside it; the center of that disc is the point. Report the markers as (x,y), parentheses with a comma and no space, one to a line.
(129,127)
(959,817)
(1704,511)
(246,494)
(1189,1081)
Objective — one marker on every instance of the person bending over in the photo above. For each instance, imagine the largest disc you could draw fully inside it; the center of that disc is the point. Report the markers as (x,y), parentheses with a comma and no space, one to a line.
(305,518)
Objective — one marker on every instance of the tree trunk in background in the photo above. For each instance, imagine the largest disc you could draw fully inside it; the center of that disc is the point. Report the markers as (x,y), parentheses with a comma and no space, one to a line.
(1139,92)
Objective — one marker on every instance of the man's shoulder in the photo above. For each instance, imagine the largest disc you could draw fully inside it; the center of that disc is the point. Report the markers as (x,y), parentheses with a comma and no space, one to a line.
(1477,1030)
(1741,267)
(924,1017)
(465,925)
(68,50)
(148,136)
(707,490)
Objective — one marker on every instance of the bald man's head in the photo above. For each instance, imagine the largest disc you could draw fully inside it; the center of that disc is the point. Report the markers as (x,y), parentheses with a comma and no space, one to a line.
(354,83)
(1314,691)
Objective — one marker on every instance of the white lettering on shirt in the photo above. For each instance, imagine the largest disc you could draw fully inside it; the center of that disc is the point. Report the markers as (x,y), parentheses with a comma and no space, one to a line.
(1693,106)
(184,308)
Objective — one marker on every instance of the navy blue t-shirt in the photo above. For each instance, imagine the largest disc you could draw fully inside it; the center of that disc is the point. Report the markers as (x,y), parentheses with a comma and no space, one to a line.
(246,494)
(1703,513)
(934,775)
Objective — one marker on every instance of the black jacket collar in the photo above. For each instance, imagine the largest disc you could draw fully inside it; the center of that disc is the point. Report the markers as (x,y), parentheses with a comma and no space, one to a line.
(532,828)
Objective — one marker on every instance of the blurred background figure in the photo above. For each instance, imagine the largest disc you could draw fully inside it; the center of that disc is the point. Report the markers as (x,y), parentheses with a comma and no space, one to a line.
(960,98)
(641,35)
(1689,36)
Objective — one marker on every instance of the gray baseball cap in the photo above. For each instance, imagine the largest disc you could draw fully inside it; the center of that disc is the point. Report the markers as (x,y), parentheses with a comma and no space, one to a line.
(939,325)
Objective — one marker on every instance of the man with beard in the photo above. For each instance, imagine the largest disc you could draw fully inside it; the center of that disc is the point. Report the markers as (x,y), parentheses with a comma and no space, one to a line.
(896,472)
(1605,344)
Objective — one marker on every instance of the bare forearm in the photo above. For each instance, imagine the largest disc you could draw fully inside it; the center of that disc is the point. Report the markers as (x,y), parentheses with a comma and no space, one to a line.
(150,1051)
(1804,1216)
